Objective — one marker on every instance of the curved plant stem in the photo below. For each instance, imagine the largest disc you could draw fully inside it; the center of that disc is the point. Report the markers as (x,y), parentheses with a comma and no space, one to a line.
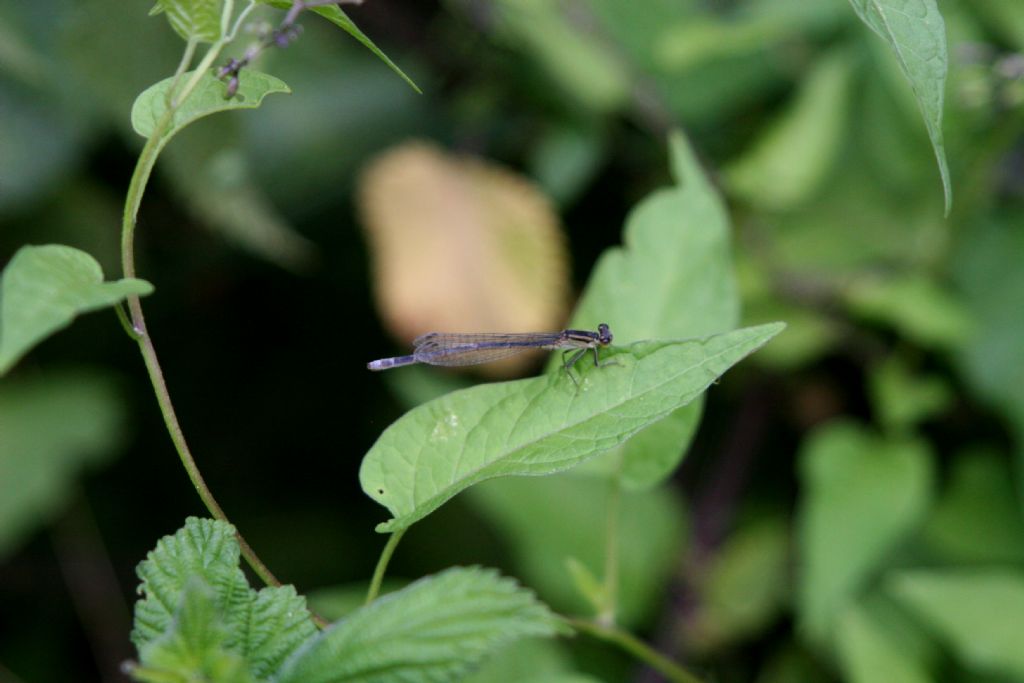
(136,188)
(636,647)
(382,565)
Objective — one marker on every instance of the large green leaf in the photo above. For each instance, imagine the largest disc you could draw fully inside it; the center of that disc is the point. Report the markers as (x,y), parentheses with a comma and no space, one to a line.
(672,279)
(977,612)
(207,98)
(916,33)
(540,425)
(433,630)
(51,427)
(336,16)
(552,523)
(862,494)
(263,628)
(44,288)
(193,20)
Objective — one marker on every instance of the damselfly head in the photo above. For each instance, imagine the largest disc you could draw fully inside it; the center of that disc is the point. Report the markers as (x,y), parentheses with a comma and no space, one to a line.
(604,334)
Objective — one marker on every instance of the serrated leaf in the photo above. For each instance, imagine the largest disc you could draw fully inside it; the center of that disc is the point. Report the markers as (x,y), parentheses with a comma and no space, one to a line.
(433,630)
(207,98)
(862,495)
(203,548)
(790,159)
(51,427)
(263,628)
(193,20)
(977,612)
(336,16)
(44,288)
(540,425)
(195,647)
(916,33)
(673,279)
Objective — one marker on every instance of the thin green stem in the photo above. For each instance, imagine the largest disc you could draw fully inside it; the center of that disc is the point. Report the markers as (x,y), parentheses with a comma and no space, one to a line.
(186,60)
(610,593)
(637,648)
(382,565)
(136,189)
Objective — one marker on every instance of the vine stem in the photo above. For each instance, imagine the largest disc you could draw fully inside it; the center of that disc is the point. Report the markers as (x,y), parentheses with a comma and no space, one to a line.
(636,647)
(382,565)
(136,188)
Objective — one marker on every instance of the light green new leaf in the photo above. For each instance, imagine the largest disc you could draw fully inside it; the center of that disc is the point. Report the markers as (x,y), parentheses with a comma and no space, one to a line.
(869,653)
(207,98)
(862,495)
(977,612)
(193,20)
(51,427)
(916,33)
(789,161)
(433,630)
(44,288)
(195,646)
(263,628)
(673,279)
(540,425)
(203,548)
(336,16)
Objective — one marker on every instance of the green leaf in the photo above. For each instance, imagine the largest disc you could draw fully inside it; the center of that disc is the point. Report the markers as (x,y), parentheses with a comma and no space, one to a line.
(207,98)
(53,426)
(869,653)
(203,548)
(978,518)
(673,279)
(978,613)
(44,288)
(193,20)
(336,16)
(901,398)
(743,588)
(264,628)
(787,164)
(530,660)
(540,425)
(862,495)
(546,521)
(916,33)
(433,630)
(195,646)
(916,306)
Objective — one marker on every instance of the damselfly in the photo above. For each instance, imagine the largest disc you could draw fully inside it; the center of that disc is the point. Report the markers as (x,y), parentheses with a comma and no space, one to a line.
(456,349)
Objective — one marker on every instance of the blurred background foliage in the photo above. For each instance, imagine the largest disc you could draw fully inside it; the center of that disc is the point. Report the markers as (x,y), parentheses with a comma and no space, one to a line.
(850,508)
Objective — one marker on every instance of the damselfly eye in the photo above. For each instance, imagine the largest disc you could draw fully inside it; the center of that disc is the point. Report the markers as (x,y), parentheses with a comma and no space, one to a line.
(604,334)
